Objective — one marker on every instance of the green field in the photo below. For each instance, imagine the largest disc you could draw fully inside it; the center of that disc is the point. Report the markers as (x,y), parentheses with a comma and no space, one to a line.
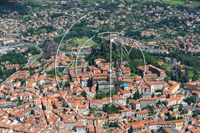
(34,62)
(81,41)
(133,74)
(36,56)
(177,2)
(167,1)
(167,64)
(191,74)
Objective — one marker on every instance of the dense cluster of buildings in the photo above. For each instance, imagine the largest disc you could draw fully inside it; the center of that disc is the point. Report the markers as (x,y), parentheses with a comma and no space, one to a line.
(34,102)
(38,98)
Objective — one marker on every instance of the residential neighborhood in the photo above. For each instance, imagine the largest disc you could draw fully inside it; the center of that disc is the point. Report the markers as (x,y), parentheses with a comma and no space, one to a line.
(117,66)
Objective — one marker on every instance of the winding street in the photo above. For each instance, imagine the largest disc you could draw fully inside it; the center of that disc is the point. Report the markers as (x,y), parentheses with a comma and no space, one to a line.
(32,59)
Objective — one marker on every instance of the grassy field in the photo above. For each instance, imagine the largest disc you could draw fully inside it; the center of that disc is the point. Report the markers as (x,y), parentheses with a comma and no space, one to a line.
(167,64)
(191,74)
(177,2)
(167,1)
(34,62)
(81,41)
(133,74)
(37,56)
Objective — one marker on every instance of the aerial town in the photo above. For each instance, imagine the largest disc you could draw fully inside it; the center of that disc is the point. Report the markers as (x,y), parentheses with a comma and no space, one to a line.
(92,66)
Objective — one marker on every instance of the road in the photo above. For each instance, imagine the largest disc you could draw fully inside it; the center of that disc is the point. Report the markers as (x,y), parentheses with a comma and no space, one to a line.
(9,48)
(12,46)
(156,117)
(32,59)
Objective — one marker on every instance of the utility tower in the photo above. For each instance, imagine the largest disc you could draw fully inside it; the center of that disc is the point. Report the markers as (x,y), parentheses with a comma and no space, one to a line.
(111,40)
(122,52)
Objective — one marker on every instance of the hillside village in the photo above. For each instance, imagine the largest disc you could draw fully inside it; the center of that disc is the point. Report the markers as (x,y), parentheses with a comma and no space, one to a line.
(33,102)
(184,38)
(69,92)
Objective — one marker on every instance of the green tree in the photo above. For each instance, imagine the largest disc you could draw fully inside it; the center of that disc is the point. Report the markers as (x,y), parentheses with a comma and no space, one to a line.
(67,84)
(83,94)
(113,124)
(171,108)
(137,95)
(195,114)
(118,83)
(110,109)
(181,117)
(180,108)
(186,93)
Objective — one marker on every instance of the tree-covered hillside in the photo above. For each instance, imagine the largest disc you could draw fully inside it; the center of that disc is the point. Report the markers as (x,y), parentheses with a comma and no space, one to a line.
(134,59)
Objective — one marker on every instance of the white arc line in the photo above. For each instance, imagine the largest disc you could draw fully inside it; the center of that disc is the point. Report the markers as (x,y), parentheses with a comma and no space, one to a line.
(76,61)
